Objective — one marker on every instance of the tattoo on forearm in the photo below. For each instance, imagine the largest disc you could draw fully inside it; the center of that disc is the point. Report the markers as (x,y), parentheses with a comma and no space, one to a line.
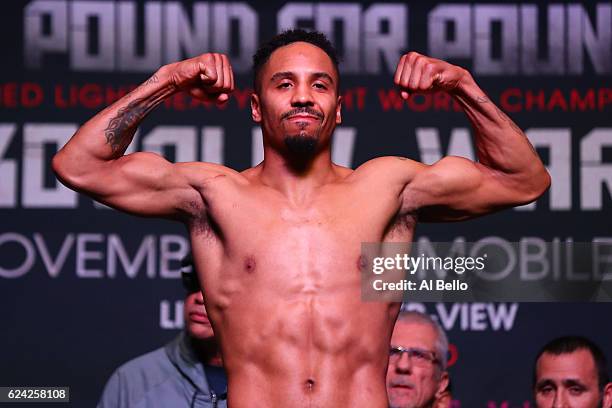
(154,79)
(506,118)
(121,128)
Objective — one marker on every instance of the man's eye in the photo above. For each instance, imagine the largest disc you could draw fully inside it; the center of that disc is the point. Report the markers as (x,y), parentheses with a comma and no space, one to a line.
(576,390)
(545,390)
(284,85)
(418,354)
(320,85)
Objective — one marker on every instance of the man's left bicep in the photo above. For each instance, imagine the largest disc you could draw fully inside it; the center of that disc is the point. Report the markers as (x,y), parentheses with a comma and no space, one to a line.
(455,188)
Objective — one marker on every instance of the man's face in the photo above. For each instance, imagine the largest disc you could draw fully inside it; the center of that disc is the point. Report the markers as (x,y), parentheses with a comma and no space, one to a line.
(196,318)
(413,382)
(297,104)
(567,381)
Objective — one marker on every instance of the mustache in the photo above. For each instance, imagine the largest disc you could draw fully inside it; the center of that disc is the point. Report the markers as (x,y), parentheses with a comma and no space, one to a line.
(402,381)
(299,111)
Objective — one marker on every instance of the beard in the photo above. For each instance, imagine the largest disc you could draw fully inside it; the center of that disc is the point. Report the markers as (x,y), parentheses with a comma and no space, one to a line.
(301,144)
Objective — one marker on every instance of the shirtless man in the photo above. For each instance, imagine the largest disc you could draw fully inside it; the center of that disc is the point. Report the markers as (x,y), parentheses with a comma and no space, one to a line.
(278,245)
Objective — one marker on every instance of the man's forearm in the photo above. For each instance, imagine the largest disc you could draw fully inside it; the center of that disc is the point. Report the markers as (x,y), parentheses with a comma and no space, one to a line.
(107,135)
(126,116)
(500,143)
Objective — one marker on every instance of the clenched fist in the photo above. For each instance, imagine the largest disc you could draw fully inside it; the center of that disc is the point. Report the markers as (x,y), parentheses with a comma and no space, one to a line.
(207,77)
(418,73)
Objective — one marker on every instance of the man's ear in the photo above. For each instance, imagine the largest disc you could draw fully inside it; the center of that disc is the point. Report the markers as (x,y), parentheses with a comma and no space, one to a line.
(607,396)
(339,110)
(442,384)
(255,108)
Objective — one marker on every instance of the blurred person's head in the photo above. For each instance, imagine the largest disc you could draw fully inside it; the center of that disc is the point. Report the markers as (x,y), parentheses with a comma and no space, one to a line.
(571,372)
(194,312)
(416,374)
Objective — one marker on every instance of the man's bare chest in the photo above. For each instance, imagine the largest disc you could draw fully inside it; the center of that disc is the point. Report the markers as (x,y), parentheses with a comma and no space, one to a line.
(341,214)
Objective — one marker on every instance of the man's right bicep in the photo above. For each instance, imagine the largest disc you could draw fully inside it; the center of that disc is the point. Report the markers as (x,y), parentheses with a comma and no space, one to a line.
(145,184)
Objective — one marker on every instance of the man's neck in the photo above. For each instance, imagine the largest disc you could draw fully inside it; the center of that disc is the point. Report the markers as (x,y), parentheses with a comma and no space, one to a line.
(294,178)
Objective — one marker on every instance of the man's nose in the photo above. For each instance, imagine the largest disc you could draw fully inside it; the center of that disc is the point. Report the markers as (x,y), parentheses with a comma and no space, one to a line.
(403,364)
(560,400)
(302,96)
(199,298)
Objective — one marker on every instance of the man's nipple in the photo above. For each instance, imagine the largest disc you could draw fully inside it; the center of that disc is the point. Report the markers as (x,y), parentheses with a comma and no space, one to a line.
(249,264)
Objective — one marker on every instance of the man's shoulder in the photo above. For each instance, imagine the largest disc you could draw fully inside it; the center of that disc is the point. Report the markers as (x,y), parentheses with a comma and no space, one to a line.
(135,380)
(151,363)
(203,173)
(388,167)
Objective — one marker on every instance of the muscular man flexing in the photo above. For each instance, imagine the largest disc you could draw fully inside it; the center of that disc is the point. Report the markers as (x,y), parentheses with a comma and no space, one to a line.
(278,245)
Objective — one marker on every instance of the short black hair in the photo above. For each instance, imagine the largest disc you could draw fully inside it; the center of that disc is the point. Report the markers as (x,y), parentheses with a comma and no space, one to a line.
(287,37)
(569,344)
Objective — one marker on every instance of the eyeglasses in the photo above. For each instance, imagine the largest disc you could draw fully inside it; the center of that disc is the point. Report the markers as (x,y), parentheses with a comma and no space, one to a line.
(417,356)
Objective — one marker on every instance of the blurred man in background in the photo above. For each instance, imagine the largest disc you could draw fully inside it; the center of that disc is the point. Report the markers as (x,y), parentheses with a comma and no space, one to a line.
(571,372)
(416,375)
(187,372)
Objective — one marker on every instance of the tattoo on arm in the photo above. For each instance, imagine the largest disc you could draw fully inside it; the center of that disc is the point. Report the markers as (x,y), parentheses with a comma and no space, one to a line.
(122,127)
(154,79)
